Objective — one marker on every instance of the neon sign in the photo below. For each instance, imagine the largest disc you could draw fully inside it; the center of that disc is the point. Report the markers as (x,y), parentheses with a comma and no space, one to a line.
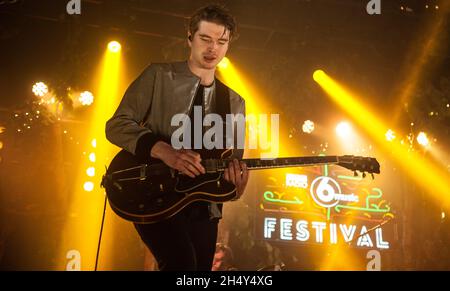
(299,181)
(286,229)
(323,191)
(331,210)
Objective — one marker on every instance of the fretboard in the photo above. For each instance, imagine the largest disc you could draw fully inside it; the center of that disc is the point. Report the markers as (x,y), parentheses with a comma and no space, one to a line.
(254,164)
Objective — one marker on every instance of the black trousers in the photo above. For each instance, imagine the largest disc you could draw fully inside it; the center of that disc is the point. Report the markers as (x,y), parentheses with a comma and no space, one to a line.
(185,242)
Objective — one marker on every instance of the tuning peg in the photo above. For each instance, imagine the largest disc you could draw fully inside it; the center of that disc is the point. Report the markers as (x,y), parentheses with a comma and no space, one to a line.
(373,177)
(355,173)
(364,174)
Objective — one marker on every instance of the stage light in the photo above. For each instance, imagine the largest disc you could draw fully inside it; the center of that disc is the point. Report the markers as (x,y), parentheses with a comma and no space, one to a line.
(422,50)
(264,141)
(94,143)
(390,135)
(81,234)
(424,171)
(88,186)
(308,126)
(2,129)
(224,63)
(1,145)
(40,89)
(114,47)
(343,129)
(422,139)
(92,157)
(90,171)
(86,98)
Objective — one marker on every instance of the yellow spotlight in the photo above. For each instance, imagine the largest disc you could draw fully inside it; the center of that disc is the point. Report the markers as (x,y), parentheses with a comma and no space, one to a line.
(224,63)
(88,198)
(86,98)
(114,47)
(343,129)
(90,171)
(2,129)
(308,126)
(390,135)
(422,139)
(40,89)
(429,40)
(1,145)
(88,186)
(426,172)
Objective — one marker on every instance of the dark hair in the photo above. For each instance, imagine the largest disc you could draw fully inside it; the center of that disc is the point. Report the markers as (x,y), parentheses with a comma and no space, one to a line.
(213,13)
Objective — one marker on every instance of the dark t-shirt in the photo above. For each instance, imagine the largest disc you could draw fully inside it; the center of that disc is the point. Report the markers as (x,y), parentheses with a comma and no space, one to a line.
(198,101)
(198,209)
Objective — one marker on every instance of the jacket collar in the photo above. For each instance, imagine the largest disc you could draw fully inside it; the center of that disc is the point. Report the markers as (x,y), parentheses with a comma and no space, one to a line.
(183,68)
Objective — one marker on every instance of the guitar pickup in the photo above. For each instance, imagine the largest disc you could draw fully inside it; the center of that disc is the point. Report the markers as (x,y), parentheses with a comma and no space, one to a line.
(142,173)
(210,166)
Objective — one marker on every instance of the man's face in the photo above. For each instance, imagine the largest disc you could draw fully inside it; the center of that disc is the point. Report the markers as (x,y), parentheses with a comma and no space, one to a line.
(209,45)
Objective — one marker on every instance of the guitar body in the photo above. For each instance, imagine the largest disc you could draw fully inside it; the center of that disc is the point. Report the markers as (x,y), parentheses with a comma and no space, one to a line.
(160,192)
(150,193)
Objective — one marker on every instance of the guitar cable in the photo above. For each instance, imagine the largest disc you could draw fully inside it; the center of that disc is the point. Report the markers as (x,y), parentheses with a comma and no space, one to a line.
(101,231)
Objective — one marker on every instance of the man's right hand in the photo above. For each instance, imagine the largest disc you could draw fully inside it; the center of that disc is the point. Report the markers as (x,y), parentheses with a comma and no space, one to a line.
(185,161)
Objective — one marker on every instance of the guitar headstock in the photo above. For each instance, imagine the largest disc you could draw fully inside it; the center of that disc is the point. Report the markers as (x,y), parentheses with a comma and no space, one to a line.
(360,164)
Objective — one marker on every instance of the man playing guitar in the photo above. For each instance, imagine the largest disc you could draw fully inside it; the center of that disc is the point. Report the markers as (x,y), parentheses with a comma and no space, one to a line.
(142,126)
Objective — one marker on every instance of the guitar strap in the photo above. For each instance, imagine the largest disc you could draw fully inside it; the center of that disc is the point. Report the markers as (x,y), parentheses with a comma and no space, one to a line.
(223,106)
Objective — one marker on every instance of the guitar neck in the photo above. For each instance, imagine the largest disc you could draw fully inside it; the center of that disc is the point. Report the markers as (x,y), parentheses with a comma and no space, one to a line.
(259,164)
(361,164)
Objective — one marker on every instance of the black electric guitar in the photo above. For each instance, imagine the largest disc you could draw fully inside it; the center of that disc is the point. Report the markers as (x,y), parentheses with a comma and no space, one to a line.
(148,193)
